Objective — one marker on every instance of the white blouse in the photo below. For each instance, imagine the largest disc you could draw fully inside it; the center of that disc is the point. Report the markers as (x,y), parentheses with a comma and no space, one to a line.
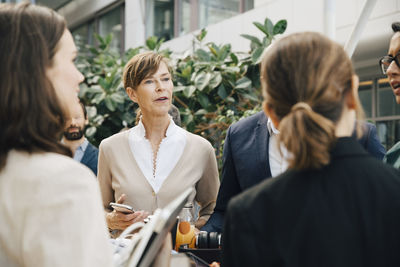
(169,152)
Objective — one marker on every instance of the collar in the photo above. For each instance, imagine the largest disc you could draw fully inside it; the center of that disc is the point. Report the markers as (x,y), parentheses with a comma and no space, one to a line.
(271,128)
(141,131)
(347,146)
(84,145)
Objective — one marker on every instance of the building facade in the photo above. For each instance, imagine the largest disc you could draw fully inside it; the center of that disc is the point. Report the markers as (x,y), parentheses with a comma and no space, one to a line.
(132,21)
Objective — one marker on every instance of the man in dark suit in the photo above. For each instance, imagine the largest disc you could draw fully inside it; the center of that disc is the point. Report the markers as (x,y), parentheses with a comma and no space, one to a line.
(74,138)
(246,160)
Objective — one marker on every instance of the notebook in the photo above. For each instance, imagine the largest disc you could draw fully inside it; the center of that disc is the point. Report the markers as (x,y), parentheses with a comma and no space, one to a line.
(153,234)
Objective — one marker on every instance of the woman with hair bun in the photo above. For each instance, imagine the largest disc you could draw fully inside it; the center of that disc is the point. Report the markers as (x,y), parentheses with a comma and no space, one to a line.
(336,205)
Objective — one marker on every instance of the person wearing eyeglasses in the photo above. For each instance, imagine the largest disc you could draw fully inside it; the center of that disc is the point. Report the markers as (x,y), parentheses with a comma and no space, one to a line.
(390,65)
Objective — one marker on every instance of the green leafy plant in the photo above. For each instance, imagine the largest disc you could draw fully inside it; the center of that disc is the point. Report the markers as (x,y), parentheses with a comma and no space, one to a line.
(270,30)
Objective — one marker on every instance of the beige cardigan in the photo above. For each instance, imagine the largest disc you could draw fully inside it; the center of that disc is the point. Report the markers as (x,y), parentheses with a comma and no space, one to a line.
(119,173)
(51,213)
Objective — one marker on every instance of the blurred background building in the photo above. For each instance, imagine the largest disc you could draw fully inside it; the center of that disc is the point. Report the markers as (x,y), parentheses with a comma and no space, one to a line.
(132,21)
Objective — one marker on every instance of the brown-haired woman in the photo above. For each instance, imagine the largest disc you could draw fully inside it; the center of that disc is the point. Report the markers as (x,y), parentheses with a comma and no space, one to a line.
(149,165)
(50,212)
(336,205)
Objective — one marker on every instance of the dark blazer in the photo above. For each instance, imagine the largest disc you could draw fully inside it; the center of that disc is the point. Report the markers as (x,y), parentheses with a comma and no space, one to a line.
(90,157)
(246,161)
(345,214)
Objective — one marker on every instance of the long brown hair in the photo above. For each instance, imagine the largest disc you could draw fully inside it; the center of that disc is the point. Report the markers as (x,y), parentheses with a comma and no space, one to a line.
(31,117)
(306,78)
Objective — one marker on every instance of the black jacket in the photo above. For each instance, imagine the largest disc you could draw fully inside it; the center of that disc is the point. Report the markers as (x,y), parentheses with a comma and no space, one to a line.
(345,214)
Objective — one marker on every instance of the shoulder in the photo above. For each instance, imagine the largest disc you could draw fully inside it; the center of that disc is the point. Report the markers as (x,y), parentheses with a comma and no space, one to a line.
(49,170)
(115,140)
(197,141)
(249,123)
(92,148)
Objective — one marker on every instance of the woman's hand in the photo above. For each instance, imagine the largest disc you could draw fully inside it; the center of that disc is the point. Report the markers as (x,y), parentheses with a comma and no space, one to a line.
(120,221)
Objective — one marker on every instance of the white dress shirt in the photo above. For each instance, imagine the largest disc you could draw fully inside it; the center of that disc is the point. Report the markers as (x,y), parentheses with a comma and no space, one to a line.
(169,152)
(80,151)
(277,161)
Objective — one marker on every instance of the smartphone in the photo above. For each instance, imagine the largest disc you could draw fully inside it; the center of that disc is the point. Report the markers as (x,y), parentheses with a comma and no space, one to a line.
(122,208)
(199,262)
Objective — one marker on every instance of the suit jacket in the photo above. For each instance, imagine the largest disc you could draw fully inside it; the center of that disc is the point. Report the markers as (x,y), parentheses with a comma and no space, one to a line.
(345,214)
(90,157)
(246,161)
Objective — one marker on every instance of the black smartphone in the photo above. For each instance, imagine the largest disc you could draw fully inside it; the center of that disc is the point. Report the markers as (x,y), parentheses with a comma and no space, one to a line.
(122,208)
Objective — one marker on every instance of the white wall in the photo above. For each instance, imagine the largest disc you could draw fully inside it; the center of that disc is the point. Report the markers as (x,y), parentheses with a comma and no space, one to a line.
(135,31)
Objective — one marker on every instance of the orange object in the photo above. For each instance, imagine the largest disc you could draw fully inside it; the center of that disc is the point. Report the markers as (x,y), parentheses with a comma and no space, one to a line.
(185,235)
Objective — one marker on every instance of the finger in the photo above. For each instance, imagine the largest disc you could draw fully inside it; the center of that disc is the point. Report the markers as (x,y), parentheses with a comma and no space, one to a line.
(121,199)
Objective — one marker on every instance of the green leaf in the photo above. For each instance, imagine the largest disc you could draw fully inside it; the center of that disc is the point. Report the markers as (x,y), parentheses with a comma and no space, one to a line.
(234,58)
(261,27)
(104,84)
(269,26)
(187,72)
(151,42)
(243,83)
(202,55)
(266,41)
(179,88)
(90,131)
(203,100)
(201,80)
(252,38)
(224,52)
(94,51)
(215,81)
(200,112)
(110,104)
(230,99)
(213,50)
(91,111)
(99,119)
(118,98)
(108,38)
(95,89)
(201,35)
(189,90)
(256,55)
(280,27)
(222,92)
(98,98)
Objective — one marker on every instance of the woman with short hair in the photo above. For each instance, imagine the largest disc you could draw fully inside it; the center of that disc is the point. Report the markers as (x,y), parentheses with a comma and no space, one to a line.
(149,165)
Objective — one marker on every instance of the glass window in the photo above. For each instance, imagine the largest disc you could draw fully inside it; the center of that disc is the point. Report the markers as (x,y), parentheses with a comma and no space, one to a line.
(160,21)
(214,11)
(365,94)
(185,17)
(111,23)
(387,105)
(388,132)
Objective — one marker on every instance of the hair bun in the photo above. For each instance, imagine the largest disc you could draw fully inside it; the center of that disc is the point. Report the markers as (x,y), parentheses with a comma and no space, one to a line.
(301,105)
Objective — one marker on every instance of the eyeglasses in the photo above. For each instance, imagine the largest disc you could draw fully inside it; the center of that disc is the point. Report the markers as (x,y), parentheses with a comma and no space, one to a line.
(385,62)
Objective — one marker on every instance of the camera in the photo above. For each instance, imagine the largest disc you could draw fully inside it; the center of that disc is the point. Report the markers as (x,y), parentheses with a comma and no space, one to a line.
(208,240)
